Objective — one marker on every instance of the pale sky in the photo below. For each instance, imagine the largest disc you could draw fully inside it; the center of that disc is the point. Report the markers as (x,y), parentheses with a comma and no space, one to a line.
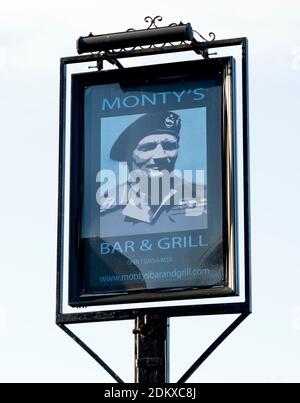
(33,37)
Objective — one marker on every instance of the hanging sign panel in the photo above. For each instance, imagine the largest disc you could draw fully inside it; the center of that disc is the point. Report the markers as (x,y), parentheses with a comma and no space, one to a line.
(152,186)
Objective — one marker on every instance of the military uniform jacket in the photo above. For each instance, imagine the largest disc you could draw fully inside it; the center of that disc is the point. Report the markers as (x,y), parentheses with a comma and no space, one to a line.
(135,216)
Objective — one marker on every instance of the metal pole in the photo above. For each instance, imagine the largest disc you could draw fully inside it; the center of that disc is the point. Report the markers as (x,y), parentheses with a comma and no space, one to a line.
(151,349)
(246,167)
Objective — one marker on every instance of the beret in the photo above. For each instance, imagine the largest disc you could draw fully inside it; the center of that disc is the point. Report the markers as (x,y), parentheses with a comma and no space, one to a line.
(150,123)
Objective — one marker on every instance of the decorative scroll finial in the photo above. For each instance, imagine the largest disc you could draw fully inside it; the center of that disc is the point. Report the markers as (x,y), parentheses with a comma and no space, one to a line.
(211,35)
(153,21)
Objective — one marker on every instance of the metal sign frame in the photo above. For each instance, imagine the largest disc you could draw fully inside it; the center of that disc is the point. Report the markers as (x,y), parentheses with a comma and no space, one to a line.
(164,312)
(220,153)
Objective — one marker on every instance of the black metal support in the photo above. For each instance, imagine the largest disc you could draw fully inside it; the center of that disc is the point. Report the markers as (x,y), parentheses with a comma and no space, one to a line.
(170,311)
(151,349)
(151,324)
(91,353)
(212,348)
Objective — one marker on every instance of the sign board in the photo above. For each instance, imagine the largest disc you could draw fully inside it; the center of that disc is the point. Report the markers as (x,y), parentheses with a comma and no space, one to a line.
(152,184)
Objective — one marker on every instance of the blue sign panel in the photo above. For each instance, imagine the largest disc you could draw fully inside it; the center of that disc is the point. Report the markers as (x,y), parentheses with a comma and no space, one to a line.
(152,206)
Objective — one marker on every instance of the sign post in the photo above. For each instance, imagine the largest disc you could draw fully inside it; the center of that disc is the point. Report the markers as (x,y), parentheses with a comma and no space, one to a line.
(151,349)
(153,197)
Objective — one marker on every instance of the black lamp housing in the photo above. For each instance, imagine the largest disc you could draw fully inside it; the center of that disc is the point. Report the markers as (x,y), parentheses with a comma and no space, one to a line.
(131,39)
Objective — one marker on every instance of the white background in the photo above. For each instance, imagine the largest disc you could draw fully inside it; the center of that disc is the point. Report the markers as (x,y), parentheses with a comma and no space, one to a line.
(33,36)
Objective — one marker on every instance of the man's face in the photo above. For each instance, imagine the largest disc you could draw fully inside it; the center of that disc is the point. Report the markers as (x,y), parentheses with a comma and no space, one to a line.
(155,153)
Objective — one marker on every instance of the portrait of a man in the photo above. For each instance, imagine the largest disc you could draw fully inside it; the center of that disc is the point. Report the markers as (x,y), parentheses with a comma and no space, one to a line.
(157,196)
